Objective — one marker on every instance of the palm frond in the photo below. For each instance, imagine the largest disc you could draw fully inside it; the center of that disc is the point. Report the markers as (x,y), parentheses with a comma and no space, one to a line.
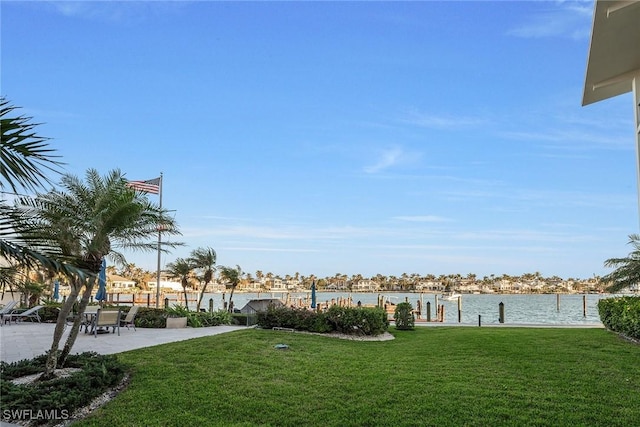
(627,270)
(87,220)
(25,156)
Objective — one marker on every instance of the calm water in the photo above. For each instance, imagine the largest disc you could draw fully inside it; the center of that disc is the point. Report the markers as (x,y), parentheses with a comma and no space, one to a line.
(518,309)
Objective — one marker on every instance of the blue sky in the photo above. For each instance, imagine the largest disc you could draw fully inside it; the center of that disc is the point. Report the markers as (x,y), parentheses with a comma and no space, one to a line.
(342,137)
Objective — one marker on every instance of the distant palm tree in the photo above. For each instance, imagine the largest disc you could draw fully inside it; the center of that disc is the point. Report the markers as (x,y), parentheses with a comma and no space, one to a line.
(232,276)
(627,270)
(204,259)
(181,269)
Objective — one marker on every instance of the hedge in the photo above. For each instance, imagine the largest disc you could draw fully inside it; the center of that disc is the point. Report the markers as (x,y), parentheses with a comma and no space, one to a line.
(621,315)
(347,320)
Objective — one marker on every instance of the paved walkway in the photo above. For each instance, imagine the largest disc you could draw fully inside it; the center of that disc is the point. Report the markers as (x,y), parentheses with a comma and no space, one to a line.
(26,340)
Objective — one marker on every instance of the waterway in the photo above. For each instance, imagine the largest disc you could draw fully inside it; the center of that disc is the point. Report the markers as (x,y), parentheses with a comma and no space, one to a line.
(562,309)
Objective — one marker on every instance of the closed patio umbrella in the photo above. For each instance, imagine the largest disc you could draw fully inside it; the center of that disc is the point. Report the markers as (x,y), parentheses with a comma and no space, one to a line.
(56,290)
(313,294)
(101,295)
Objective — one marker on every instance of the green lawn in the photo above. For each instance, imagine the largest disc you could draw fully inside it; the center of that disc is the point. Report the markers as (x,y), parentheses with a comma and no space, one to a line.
(430,376)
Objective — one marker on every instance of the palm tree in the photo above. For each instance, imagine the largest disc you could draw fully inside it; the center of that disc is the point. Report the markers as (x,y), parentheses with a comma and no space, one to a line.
(204,260)
(25,157)
(627,270)
(89,221)
(181,269)
(231,276)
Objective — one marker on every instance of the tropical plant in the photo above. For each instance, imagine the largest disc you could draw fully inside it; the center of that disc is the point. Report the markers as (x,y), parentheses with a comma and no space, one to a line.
(88,221)
(203,260)
(25,157)
(403,316)
(94,374)
(627,270)
(181,269)
(232,276)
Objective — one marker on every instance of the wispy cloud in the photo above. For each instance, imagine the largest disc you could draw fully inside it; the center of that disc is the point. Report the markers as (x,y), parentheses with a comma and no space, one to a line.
(284,232)
(570,19)
(386,159)
(269,249)
(571,139)
(422,218)
(558,199)
(441,121)
(114,11)
(523,236)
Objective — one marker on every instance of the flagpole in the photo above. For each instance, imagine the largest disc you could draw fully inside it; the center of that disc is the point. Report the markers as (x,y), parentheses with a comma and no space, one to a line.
(159,246)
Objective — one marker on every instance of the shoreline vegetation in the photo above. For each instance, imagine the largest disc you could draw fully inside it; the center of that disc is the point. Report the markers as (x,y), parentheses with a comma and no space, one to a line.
(144,282)
(114,291)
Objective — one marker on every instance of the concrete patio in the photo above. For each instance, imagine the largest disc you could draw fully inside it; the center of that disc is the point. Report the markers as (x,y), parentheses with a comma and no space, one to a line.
(25,340)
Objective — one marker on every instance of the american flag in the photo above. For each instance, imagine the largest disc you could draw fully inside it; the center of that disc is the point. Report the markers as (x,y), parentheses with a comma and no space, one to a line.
(149,186)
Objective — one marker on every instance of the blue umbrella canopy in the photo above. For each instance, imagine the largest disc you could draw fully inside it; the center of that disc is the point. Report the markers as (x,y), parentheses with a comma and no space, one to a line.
(101,295)
(313,294)
(56,290)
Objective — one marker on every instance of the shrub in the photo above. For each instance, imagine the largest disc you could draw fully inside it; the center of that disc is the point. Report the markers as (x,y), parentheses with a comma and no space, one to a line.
(362,321)
(220,317)
(157,317)
(358,320)
(148,317)
(621,314)
(403,316)
(199,319)
(98,373)
(285,317)
(49,313)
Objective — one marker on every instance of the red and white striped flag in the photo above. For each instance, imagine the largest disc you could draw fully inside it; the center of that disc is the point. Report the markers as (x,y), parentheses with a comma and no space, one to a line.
(149,186)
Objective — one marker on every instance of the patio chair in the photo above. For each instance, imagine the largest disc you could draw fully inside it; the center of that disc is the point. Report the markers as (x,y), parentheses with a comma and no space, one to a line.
(31,313)
(106,319)
(129,319)
(88,317)
(6,310)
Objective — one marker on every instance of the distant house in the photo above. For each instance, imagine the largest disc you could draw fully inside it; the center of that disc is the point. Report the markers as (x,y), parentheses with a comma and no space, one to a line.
(470,288)
(365,285)
(216,286)
(174,286)
(116,283)
(430,286)
(519,287)
(504,286)
(338,285)
(277,285)
(292,284)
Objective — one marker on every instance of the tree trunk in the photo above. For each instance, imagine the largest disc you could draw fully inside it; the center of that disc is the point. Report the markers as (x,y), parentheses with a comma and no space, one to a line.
(231,298)
(186,301)
(73,334)
(52,356)
(204,288)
